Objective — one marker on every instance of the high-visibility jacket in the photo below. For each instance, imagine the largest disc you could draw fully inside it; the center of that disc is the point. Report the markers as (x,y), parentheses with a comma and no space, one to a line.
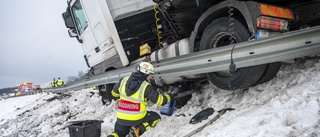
(59,82)
(53,83)
(132,107)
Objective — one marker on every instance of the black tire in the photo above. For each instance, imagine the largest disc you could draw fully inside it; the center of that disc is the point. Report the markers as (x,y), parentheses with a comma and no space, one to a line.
(269,73)
(105,92)
(182,101)
(180,88)
(218,34)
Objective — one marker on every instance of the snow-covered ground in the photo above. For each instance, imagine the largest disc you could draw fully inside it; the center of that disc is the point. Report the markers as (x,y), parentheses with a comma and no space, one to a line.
(286,106)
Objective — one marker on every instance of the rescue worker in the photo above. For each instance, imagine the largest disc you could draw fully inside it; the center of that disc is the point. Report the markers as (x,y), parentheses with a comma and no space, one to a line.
(59,82)
(133,93)
(53,82)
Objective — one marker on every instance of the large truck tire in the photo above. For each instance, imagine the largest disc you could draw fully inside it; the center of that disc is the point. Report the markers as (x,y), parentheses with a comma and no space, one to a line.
(269,73)
(218,34)
(105,92)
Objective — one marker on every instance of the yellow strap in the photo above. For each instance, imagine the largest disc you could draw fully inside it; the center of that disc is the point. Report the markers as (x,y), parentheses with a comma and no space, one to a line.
(154,123)
(146,125)
(160,99)
(114,134)
(168,98)
(122,83)
(115,94)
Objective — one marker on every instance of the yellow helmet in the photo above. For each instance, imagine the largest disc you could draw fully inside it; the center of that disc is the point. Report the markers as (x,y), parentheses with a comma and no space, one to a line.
(145,68)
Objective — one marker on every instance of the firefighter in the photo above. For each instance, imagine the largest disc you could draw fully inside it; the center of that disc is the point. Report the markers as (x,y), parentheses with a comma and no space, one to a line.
(133,93)
(53,82)
(59,82)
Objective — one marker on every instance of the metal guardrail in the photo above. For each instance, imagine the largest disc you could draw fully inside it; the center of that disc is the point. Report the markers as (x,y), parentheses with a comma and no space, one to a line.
(290,45)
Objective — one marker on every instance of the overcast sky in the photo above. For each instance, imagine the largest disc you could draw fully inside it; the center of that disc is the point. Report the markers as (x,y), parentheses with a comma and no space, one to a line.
(35,45)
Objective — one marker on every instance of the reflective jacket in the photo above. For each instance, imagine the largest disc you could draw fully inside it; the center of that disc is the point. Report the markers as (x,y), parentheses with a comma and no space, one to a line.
(132,107)
(59,82)
(53,83)
(133,93)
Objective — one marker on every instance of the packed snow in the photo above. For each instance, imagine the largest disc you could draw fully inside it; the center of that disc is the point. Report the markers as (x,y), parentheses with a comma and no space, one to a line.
(286,106)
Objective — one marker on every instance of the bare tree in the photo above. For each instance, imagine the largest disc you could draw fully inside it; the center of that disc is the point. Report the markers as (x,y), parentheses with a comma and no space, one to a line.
(71,79)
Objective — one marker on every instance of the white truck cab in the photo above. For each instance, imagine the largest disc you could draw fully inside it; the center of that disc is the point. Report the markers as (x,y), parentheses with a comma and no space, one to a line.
(92,23)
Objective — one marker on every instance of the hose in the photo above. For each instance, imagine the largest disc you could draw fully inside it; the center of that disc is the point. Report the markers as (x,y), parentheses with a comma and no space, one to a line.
(157,25)
(232,66)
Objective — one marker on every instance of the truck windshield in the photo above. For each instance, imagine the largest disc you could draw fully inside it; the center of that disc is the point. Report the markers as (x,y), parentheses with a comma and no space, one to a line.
(80,19)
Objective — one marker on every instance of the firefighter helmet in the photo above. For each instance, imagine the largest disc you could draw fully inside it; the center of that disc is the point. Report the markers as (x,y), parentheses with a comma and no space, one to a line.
(145,68)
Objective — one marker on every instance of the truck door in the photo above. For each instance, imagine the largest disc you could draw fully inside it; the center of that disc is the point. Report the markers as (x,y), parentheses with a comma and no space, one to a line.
(98,39)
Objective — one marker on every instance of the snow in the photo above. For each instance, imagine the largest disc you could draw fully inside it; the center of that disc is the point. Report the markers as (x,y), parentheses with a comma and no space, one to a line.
(288,105)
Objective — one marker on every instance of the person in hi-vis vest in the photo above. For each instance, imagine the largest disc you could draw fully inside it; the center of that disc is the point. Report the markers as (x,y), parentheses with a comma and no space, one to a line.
(53,82)
(133,93)
(59,82)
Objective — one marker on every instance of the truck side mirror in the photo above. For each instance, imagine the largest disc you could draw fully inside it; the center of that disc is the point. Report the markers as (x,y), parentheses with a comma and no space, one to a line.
(68,20)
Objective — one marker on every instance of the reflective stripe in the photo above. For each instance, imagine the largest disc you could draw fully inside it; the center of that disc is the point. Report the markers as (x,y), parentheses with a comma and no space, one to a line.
(160,100)
(141,90)
(154,123)
(115,134)
(130,112)
(123,81)
(115,94)
(168,98)
(129,98)
(146,125)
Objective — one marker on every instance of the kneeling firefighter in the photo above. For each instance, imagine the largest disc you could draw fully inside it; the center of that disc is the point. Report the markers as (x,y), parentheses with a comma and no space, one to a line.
(133,93)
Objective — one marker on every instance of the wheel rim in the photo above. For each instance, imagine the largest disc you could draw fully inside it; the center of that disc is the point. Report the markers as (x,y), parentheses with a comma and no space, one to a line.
(219,40)
(222,39)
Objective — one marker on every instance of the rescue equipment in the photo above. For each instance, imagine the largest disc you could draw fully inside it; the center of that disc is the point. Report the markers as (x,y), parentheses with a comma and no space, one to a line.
(168,108)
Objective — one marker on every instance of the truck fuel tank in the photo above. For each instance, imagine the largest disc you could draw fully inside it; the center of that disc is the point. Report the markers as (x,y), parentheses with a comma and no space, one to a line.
(178,48)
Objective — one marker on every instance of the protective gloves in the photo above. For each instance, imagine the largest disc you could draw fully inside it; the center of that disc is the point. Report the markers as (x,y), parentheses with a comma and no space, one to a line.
(174,92)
